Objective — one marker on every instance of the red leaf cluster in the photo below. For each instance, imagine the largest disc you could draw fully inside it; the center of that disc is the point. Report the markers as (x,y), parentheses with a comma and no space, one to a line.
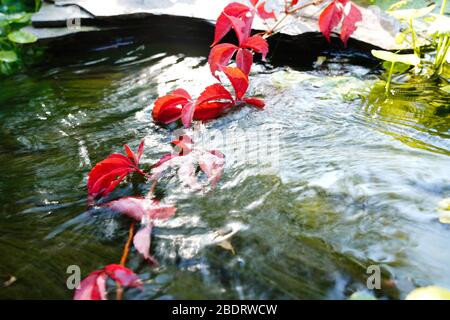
(210,162)
(216,99)
(107,174)
(212,102)
(145,211)
(93,287)
(339,12)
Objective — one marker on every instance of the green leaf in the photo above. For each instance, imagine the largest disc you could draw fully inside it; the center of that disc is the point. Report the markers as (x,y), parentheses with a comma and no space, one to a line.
(408,14)
(440,26)
(21,17)
(22,37)
(398,67)
(410,59)
(429,293)
(8,56)
(398,5)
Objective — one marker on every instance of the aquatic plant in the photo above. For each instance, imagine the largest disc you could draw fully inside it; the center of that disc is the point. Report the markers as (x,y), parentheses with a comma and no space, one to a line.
(408,59)
(189,161)
(14,16)
(433,37)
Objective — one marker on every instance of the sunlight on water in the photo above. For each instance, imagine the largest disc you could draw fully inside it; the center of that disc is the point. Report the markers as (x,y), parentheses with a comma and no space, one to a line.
(324,182)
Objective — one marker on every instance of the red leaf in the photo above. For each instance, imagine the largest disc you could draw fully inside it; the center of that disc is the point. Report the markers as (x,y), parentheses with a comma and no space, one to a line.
(262,13)
(242,27)
(244,60)
(141,242)
(186,174)
(142,209)
(330,17)
(123,275)
(211,110)
(213,101)
(183,93)
(294,2)
(187,114)
(140,151)
(223,23)
(258,44)
(93,287)
(212,163)
(107,174)
(184,143)
(255,102)
(135,157)
(220,56)
(238,79)
(349,23)
(168,108)
(165,158)
(254,2)
(214,92)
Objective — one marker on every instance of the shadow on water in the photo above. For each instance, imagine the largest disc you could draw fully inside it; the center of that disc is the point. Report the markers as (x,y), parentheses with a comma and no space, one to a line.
(355,184)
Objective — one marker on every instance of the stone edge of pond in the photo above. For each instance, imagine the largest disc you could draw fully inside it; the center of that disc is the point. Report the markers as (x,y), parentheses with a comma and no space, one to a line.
(60,18)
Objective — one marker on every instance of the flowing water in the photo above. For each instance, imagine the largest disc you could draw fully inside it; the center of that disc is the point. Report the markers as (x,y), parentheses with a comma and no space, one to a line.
(346,181)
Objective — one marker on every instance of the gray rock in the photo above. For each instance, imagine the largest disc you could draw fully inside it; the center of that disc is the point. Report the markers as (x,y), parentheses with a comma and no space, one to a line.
(377,28)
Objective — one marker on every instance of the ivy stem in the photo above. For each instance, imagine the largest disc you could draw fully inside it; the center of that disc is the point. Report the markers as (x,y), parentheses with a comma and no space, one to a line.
(269,32)
(123,260)
(388,83)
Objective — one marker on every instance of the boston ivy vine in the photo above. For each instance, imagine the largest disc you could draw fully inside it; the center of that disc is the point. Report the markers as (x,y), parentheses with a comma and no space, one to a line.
(213,102)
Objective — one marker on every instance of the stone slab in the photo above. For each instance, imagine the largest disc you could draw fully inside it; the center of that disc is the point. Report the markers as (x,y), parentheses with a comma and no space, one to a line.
(377,28)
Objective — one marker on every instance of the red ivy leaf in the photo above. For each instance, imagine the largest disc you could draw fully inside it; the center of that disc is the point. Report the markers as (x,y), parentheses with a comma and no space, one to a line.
(142,209)
(242,27)
(213,93)
(123,275)
(168,108)
(93,287)
(294,2)
(349,23)
(244,60)
(187,114)
(223,23)
(330,17)
(212,163)
(141,242)
(211,110)
(255,102)
(213,101)
(220,56)
(107,174)
(258,44)
(184,145)
(238,79)
(262,13)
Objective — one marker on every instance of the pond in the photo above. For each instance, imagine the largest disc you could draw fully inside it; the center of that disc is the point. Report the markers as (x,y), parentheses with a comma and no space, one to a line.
(351,181)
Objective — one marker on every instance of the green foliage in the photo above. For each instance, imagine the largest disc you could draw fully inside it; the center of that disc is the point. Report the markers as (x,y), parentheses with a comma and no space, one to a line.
(14,54)
(427,33)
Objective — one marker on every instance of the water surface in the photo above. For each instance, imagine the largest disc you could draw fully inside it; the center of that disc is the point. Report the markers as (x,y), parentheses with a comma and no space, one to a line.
(356,180)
